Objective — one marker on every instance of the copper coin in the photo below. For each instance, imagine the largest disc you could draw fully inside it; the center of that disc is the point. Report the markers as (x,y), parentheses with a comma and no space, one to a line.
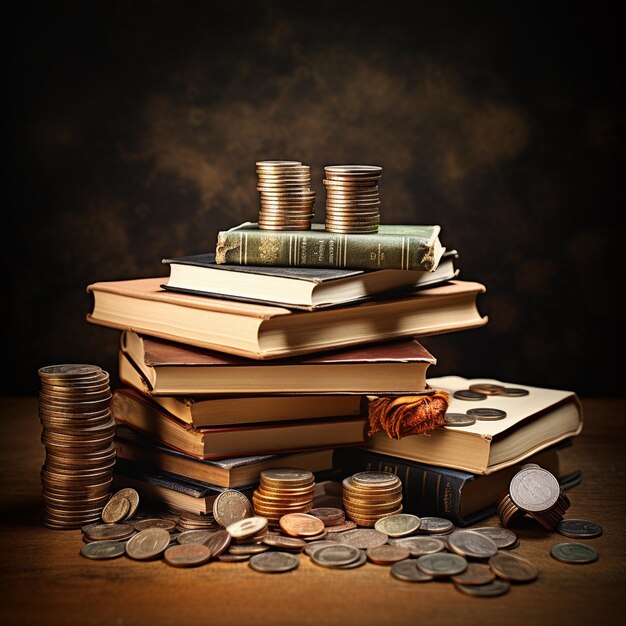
(187,555)
(115,510)
(218,542)
(155,522)
(231,506)
(247,527)
(194,536)
(301,525)
(387,554)
(487,388)
(148,544)
(247,548)
(331,516)
(294,544)
(475,574)
(339,528)
(496,587)
(514,568)
(101,532)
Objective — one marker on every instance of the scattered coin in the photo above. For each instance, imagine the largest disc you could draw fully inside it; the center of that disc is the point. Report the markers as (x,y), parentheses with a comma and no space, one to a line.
(274,562)
(363,538)
(247,527)
(293,544)
(579,528)
(513,568)
(109,532)
(471,544)
(574,553)
(442,564)
(115,510)
(227,557)
(340,528)
(100,550)
(187,555)
(231,506)
(458,419)
(194,536)
(148,544)
(502,537)
(361,560)
(331,516)
(133,498)
(496,587)
(435,525)
(514,392)
(155,522)
(419,545)
(387,554)
(335,555)
(475,574)
(487,413)
(409,571)
(398,525)
(218,542)
(301,525)
(488,389)
(466,394)
(247,548)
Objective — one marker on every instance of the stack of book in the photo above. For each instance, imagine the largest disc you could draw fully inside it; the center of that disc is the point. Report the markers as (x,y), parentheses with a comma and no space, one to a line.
(265,353)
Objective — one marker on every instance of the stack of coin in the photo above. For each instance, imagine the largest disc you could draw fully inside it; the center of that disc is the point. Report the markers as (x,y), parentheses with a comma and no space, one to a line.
(536,492)
(77,433)
(283,491)
(286,196)
(370,496)
(195,521)
(352,198)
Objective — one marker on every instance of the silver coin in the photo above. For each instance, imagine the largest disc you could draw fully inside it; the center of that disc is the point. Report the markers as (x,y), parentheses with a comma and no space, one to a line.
(362,560)
(408,570)
(398,524)
(274,562)
(316,545)
(442,564)
(101,550)
(487,413)
(574,553)
(502,537)
(435,525)
(496,587)
(419,545)
(514,392)
(194,536)
(247,527)
(337,554)
(362,538)
(534,489)
(471,544)
(466,394)
(148,544)
(458,419)
(579,528)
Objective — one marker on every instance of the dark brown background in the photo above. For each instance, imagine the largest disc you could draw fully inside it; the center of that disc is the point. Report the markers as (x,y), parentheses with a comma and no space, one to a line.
(132,129)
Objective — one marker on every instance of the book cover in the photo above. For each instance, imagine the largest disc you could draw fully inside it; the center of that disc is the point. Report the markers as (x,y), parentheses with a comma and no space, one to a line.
(531,423)
(266,332)
(394,246)
(397,366)
(297,287)
(462,497)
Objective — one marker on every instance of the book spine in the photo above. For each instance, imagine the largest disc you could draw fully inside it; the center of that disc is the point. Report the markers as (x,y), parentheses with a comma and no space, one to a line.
(322,249)
(425,491)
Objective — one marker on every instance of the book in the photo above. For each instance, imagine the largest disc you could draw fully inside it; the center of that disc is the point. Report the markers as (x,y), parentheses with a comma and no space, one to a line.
(533,422)
(132,408)
(229,473)
(297,287)
(394,246)
(462,497)
(267,332)
(222,410)
(169,367)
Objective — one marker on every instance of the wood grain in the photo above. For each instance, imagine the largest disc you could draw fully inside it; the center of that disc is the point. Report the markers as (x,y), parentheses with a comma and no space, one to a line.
(44,580)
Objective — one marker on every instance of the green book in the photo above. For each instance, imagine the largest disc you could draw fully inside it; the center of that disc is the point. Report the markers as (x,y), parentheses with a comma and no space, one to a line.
(394,246)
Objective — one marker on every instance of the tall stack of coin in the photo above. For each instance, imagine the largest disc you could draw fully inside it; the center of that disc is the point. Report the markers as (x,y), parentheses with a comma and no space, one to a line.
(283,491)
(370,496)
(286,196)
(78,435)
(352,198)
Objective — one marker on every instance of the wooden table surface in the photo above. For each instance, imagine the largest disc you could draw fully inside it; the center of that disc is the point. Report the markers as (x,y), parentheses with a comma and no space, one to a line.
(45,581)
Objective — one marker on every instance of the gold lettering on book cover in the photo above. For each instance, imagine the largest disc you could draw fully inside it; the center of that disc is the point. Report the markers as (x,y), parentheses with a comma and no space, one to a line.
(268,251)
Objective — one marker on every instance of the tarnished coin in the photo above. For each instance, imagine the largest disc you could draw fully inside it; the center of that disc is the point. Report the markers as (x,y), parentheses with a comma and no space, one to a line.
(115,510)
(408,570)
(293,544)
(194,536)
(274,562)
(218,542)
(69,371)
(227,557)
(231,506)
(458,419)
(534,489)
(108,532)
(513,568)
(502,537)
(487,413)
(442,564)
(362,538)
(470,544)
(466,394)
(496,587)
(301,525)
(133,498)
(247,548)
(514,392)
(330,515)
(574,553)
(155,522)
(387,554)
(475,574)
(187,555)
(488,389)
(247,527)
(361,560)
(340,528)
(579,528)
(101,550)
(148,544)
(419,545)
(335,555)
(433,525)
(316,545)
(398,525)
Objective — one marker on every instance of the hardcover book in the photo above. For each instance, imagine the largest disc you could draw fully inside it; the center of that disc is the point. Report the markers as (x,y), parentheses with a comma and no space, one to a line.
(169,367)
(531,423)
(297,287)
(394,246)
(268,332)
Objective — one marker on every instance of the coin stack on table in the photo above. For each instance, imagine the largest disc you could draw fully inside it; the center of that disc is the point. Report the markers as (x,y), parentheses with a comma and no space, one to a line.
(77,432)
(283,491)
(369,496)
(352,198)
(286,196)
(536,492)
